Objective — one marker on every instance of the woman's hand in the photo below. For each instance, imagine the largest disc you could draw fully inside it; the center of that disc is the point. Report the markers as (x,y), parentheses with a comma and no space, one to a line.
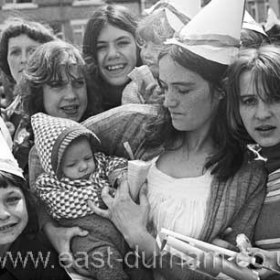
(60,237)
(123,211)
(130,218)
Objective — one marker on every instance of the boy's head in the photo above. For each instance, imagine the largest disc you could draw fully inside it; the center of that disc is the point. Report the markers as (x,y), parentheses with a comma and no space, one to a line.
(151,33)
(78,159)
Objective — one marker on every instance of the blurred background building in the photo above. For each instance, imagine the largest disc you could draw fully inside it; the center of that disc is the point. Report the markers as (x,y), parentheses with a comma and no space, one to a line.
(68,17)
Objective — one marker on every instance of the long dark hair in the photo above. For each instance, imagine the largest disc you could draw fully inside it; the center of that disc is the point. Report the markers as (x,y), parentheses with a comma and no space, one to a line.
(229,156)
(8,179)
(118,16)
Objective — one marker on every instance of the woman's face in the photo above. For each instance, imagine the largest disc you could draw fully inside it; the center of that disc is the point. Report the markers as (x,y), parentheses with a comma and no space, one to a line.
(261,118)
(19,50)
(66,98)
(116,54)
(187,96)
(13,214)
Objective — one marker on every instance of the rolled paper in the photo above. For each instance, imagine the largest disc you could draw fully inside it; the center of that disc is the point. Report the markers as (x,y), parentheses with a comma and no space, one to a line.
(185,247)
(137,172)
(200,244)
(210,262)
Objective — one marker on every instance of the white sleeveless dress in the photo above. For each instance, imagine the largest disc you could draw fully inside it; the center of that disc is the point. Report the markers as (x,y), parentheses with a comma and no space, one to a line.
(178,204)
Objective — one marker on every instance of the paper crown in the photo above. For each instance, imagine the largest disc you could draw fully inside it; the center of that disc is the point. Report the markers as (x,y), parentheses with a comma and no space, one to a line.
(7,161)
(271,20)
(214,33)
(188,8)
(250,23)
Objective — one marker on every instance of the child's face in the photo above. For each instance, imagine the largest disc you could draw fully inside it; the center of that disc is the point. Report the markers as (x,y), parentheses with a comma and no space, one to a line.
(13,214)
(116,54)
(78,161)
(261,118)
(66,98)
(149,54)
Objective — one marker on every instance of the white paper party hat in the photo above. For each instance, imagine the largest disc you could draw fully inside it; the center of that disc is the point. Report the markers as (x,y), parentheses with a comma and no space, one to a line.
(271,20)
(250,23)
(188,8)
(214,33)
(7,161)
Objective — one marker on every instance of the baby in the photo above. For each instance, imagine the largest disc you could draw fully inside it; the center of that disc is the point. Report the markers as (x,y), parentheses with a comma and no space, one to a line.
(74,174)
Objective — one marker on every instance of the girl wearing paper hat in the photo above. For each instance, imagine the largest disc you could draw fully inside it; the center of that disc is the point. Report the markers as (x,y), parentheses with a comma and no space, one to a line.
(19,235)
(161,22)
(201,182)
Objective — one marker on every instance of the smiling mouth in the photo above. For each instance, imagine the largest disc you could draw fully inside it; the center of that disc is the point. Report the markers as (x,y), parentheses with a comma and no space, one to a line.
(73,109)
(115,67)
(7,227)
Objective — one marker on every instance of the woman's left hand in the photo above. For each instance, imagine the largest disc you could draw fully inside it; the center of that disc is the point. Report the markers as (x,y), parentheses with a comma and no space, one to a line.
(130,218)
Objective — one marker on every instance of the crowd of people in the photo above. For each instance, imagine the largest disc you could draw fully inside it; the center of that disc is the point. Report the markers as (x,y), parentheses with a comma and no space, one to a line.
(190,99)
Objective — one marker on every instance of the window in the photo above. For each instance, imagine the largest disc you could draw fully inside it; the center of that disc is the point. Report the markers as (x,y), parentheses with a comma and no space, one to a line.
(88,2)
(253,9)
(19,4)
(267,6)
(17,1)
(78,29)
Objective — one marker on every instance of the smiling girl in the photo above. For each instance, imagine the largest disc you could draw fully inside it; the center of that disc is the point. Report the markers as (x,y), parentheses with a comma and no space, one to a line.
(19,235)
(110,50)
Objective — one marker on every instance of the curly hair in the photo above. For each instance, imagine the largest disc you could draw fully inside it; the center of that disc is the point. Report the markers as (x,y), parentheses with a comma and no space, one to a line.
(44,67)
(15,27)
(155,27)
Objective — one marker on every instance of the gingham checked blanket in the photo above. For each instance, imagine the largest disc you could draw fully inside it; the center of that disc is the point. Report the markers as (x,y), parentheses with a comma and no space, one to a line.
(68,198)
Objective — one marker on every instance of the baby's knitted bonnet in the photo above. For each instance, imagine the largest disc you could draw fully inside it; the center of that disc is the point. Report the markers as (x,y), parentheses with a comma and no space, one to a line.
(52,137)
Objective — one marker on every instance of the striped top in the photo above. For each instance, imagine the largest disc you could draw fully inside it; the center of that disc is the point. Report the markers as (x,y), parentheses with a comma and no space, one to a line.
(267,234)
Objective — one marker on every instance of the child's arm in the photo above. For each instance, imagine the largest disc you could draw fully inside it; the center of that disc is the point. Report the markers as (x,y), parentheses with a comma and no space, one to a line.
(114,167)
(66,201)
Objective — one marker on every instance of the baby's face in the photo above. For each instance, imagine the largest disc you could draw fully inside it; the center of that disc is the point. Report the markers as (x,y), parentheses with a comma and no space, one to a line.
(78,161)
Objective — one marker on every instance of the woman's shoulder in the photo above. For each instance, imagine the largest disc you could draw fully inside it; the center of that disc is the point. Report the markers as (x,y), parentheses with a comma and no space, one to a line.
(119,125)
(252,174)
